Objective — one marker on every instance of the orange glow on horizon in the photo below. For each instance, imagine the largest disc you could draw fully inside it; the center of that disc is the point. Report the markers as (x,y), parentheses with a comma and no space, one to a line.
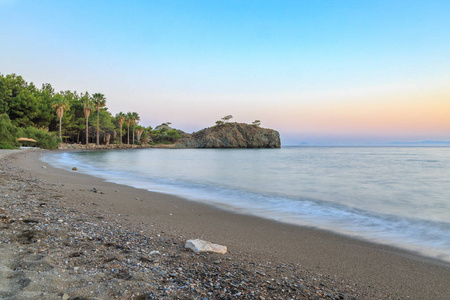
(421,113)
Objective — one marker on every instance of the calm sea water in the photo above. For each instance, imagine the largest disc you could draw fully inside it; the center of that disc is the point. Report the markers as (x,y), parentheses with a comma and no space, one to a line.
(395,196)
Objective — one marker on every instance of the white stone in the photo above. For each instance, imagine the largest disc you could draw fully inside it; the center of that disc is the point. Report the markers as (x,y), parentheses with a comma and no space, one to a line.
(199,246)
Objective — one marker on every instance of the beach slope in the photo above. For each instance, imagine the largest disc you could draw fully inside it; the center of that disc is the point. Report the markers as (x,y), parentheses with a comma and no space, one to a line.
(67,235)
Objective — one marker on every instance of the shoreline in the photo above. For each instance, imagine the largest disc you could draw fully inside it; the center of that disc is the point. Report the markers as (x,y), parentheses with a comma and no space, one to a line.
(373,270)
(417,254)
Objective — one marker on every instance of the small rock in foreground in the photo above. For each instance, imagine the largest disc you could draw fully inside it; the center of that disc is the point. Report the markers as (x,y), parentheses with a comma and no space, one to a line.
(199,246)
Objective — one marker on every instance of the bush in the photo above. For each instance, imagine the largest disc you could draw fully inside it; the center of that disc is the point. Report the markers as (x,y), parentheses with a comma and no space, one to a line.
(4,145)
(44,140)
(7,133)
(165,136)
(173,135)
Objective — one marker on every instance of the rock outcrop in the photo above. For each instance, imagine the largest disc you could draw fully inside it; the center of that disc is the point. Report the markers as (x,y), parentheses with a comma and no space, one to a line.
(232,135)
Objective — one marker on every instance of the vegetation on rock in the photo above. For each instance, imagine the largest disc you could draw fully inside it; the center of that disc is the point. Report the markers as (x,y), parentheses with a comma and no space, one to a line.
(256,123)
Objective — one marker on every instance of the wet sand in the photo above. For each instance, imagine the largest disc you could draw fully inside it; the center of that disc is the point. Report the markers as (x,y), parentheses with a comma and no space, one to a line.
(340,266)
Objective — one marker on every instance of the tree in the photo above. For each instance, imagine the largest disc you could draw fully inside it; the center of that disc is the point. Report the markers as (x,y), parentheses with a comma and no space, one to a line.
(21,103)
(61,104)
(227,118)
(106,121)
(146,134)
(128,118)
(46,114)
(99,100)
(87,107)
(4,95)
(120,118)
(256,123)
(134,118)
(139,131)
(74,122)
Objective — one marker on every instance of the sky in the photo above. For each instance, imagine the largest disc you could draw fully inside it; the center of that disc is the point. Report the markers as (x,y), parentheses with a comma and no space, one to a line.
(318,71)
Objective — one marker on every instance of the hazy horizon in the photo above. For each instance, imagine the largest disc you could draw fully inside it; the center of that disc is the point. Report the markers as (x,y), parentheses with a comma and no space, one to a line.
(318,71)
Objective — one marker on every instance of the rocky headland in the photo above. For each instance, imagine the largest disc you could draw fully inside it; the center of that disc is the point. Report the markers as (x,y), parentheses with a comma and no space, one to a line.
(232,135)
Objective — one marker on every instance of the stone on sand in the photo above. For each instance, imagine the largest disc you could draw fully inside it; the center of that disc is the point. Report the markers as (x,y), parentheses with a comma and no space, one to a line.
(199,246)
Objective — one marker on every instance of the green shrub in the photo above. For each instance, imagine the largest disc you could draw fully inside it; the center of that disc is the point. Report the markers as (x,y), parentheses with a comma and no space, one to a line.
(165,136)
(4,145)
(44,139)
(7,133)
(173,135)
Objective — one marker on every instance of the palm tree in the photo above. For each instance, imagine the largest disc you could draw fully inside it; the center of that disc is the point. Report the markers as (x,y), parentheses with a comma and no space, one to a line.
(61,103)
(99,100)
(121,118)
(87,107)
(139,131)
(128,119)
(134,118)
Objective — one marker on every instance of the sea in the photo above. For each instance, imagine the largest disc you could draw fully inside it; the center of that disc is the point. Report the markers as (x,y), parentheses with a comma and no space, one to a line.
(398,196)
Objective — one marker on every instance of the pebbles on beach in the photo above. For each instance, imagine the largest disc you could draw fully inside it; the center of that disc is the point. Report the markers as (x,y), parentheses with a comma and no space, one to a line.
(51,250)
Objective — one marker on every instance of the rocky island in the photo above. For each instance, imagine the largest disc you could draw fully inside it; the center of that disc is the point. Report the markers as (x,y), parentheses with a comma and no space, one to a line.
(231,135)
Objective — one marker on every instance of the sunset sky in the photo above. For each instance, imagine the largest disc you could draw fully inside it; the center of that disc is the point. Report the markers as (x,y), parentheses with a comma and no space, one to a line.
(318,71)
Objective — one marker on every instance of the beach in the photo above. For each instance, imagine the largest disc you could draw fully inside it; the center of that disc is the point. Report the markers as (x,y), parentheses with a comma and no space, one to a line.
(68,235)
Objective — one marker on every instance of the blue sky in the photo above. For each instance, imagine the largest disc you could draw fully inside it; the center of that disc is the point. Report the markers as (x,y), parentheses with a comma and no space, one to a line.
(318,71)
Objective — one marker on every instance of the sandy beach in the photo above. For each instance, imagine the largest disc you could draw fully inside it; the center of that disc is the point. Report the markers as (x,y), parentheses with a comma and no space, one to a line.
(66,235)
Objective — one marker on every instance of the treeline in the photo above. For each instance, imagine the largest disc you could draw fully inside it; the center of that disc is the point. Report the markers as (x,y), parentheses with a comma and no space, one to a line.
(66,116)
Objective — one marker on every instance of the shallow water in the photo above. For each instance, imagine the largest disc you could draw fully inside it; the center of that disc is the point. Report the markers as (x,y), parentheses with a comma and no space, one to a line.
(397,196)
